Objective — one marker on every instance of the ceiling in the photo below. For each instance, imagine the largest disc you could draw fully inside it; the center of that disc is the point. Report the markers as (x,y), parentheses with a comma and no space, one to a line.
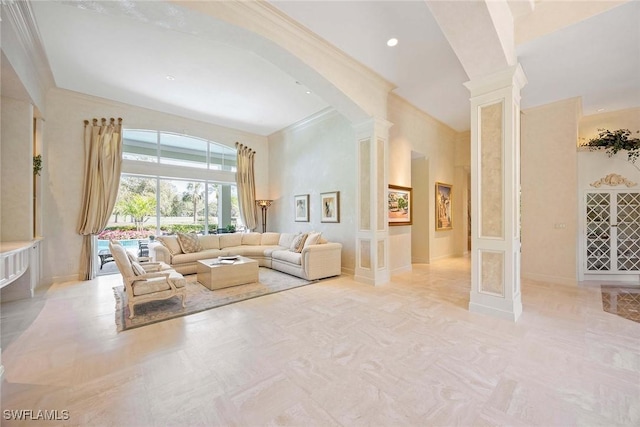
(216,81)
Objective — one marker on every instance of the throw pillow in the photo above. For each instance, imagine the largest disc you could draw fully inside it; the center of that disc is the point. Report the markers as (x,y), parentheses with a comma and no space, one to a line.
(171,243)
(132,257)
(137,269)
(189,242)
(312,239)
(298,243)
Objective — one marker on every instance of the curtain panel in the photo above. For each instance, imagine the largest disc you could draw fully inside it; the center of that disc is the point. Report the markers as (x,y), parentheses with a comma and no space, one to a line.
(103,162)
(245,180)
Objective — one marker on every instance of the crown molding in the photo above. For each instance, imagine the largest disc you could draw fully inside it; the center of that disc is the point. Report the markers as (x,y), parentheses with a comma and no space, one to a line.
(19,15)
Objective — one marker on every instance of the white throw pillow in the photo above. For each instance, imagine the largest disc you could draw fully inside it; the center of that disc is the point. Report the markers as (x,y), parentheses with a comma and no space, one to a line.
(171,243)
(137,269)
(312,239)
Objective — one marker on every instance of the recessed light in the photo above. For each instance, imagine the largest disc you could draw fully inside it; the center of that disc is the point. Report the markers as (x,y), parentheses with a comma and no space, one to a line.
(308,92)
(170,77)
(600,110)
(392,42)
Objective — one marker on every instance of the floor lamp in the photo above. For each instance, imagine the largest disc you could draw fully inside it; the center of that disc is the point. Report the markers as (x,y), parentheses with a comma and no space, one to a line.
(264,204)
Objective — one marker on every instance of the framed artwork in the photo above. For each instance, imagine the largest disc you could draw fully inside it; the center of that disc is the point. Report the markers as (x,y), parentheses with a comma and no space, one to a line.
(399,205)
(443,206)
(302,207)
(330,203)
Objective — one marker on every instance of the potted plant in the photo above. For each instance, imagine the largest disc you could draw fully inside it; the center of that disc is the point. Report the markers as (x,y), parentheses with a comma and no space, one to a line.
(612,142)
(37,164)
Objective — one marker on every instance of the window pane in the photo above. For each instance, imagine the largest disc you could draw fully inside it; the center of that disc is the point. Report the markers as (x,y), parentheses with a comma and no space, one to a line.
(214,198)
(140,145)
(222,157)
(182,206)
(235,209)
(134,215)
(183,150)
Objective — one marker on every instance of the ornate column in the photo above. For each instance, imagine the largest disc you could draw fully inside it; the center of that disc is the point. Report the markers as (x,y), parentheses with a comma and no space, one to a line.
(495,193)
(372,228)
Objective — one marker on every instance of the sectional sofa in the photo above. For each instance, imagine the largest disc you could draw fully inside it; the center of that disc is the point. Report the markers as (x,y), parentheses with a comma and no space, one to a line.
(306,255)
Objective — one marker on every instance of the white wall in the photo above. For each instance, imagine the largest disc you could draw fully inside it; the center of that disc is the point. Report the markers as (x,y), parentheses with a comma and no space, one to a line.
(64,159)
(549,197)
(315,156)
(16,179)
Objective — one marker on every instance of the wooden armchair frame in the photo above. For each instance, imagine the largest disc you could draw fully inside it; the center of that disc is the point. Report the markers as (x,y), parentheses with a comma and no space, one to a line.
(131,281)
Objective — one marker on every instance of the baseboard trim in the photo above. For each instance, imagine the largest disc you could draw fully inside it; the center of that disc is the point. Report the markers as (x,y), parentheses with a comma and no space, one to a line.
(404,269)
(551,279)
(61,279)
(348,271)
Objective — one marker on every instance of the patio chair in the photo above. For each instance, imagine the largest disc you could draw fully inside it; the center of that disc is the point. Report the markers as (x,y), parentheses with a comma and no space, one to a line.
(144,285)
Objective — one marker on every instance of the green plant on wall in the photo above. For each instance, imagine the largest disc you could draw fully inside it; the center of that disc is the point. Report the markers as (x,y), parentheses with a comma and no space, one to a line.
(612,142)
(37,164)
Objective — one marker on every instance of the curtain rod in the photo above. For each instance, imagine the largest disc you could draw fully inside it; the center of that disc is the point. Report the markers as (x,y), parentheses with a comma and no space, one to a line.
(104,121)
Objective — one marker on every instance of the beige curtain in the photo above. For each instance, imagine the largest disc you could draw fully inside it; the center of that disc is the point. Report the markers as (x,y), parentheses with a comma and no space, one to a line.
(245,180)
(103,161)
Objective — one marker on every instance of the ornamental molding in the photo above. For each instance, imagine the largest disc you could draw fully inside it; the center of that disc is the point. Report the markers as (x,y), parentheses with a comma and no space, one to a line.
(613,180)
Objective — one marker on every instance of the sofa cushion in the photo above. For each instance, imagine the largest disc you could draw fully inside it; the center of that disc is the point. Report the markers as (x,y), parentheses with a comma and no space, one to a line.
(171,243)
(288,256)
(231,239)
(195,256)
(298,243)
(253,239)
(270,239)
(210,241)
(189,242)
(158,284)
(312,239)
(286,239)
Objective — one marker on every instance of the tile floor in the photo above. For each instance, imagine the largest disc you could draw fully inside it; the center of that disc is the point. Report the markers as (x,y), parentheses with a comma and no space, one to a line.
(333,353)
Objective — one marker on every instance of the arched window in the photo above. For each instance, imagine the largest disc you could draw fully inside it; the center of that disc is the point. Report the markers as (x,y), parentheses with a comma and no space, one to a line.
(173,183)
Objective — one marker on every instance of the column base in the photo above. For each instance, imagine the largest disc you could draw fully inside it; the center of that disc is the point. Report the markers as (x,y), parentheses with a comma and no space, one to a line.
(374,280)
(512,313)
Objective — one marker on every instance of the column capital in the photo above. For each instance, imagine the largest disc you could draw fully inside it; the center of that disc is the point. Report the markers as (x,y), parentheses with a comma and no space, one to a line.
(375,124)
(509,77)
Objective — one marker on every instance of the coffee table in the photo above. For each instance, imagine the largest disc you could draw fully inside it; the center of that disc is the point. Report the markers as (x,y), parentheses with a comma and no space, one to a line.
(214,274)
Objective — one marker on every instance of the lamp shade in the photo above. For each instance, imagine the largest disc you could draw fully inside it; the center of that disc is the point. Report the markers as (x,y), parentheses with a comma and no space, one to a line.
(264,203)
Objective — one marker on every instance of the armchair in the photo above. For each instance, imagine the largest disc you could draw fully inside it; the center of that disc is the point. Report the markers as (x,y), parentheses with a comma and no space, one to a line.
(144,285)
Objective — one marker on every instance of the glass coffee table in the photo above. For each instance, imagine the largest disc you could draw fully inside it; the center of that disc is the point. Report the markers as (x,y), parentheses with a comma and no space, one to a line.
(223,272)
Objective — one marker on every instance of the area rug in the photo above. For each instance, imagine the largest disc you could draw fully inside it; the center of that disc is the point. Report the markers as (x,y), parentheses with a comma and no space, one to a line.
(200,298)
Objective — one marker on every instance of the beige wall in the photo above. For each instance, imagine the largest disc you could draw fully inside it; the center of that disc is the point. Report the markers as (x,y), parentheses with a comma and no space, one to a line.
(64,157)
(16,179)
(549,196)
(621,119)
(416,135)
(313,157)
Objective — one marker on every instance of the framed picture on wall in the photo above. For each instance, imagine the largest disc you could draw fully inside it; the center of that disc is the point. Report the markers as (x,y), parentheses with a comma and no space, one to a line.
(399,205)
(443,206)
(330,204)
(301,204)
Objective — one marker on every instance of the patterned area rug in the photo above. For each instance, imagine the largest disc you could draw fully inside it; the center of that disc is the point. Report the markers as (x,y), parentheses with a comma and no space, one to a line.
(200,298)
